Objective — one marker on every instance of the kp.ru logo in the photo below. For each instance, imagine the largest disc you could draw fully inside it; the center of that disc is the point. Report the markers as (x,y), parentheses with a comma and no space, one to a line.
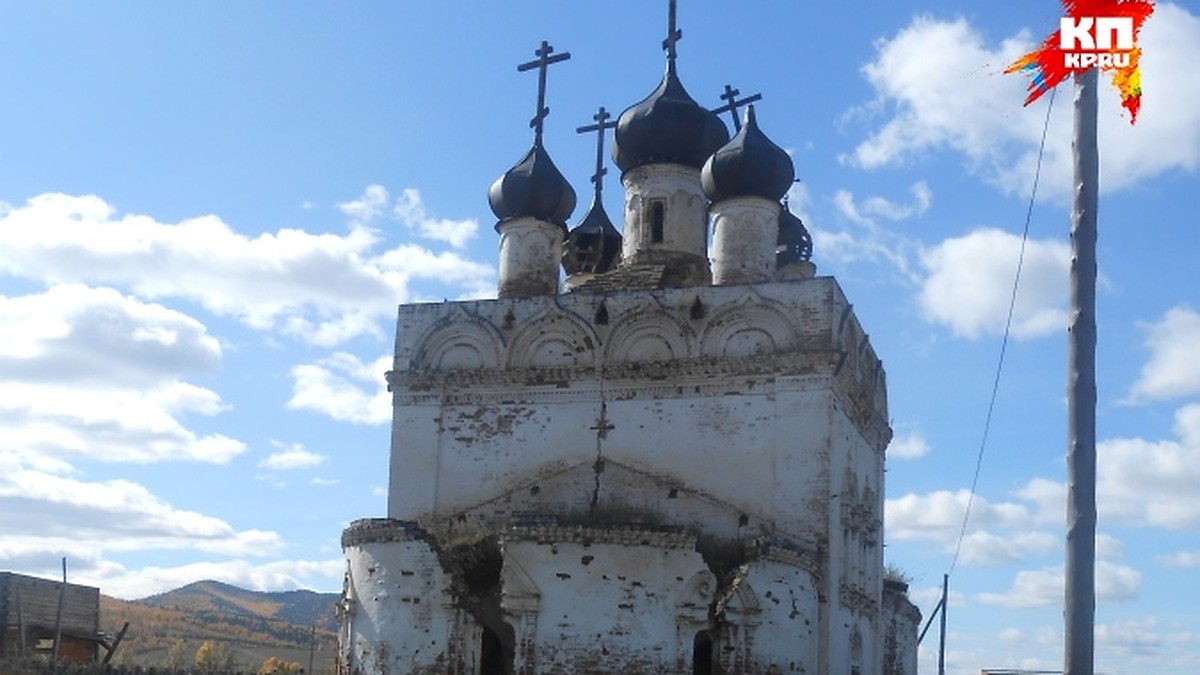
(1083,48)
(1094,34)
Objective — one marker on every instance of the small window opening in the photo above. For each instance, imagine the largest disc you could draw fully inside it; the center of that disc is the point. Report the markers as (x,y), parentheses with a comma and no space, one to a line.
(697,311)
(602,315)
(657,216)
(702,654)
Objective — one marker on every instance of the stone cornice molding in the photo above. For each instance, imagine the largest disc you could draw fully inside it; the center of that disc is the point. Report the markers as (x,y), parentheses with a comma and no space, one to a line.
(622,535)
(383,531)
(413,385)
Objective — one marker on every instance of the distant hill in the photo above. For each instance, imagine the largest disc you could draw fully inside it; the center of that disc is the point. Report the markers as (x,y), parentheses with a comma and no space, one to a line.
(303,607)
(254,625)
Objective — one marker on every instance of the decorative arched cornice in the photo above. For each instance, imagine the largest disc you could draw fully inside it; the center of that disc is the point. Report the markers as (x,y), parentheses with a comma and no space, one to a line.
(649,333)
(554,338)
(460,341)
(747,328)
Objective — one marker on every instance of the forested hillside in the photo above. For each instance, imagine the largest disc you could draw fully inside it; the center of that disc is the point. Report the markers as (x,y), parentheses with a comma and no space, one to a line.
(245,627)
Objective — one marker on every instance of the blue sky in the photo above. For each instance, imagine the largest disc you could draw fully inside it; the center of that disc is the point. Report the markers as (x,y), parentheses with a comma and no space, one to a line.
(208,213)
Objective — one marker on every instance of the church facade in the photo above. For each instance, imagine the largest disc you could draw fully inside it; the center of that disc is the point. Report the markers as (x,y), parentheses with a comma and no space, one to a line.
(672,463)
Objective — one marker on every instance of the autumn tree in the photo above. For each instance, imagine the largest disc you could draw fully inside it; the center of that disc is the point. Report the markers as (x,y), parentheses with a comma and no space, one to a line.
(212,657)
(177,654)
(277,666)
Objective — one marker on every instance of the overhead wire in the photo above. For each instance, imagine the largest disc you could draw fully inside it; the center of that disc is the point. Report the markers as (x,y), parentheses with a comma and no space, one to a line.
(1012,303)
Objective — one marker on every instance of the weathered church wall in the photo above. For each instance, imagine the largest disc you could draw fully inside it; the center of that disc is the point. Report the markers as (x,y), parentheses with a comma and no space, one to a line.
(901,621)
(571,599)
(855,542)
(398,611)
(772,620)
(613,601)
(468,406)
(748,415)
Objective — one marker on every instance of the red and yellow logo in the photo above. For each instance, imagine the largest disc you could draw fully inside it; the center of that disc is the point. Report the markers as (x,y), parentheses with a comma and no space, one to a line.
(1094,34)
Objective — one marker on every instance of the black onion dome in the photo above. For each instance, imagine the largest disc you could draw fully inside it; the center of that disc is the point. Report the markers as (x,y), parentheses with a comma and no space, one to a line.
(534,188)
(668,126)
(593,245)
(794,243)
(750,165)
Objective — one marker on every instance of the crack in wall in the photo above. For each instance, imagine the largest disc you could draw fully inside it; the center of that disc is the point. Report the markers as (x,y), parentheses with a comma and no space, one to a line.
(602,427)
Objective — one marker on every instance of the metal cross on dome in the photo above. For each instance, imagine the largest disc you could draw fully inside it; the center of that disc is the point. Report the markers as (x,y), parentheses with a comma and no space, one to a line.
(542,63)
(674,34)
(733,103)
(599,127)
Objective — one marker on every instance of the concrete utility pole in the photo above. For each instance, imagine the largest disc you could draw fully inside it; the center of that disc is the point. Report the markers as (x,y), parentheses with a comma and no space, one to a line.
(942,640)
(58,616)
(1079,610)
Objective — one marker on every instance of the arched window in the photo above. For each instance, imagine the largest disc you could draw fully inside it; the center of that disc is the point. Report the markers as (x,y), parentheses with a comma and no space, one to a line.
(658,215)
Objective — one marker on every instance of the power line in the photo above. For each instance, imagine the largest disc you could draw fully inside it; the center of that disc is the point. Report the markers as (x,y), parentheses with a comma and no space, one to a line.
(1012,303)
(987,424)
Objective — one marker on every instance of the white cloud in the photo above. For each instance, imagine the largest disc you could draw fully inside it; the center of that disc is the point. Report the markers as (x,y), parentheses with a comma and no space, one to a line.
(1181,559)
(1143,636)
(323,288)
(938,80)
(293,456)
(279,575)
(1045,587)
(1049,498)
(369,207)
(1153,483)
(1013,635)
(909,446)
(91,372)
(1173,369)
(1107,546)
(970,278)
(799,200)
(45,515)
(865,212)
(71,332)
(941,87)
(344,388)
(938,516)
(867,240)
(985,548)
(997,532)
(1138,482)
(411,211)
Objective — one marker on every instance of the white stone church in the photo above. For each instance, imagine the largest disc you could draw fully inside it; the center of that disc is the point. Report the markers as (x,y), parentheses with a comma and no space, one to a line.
(672,462)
